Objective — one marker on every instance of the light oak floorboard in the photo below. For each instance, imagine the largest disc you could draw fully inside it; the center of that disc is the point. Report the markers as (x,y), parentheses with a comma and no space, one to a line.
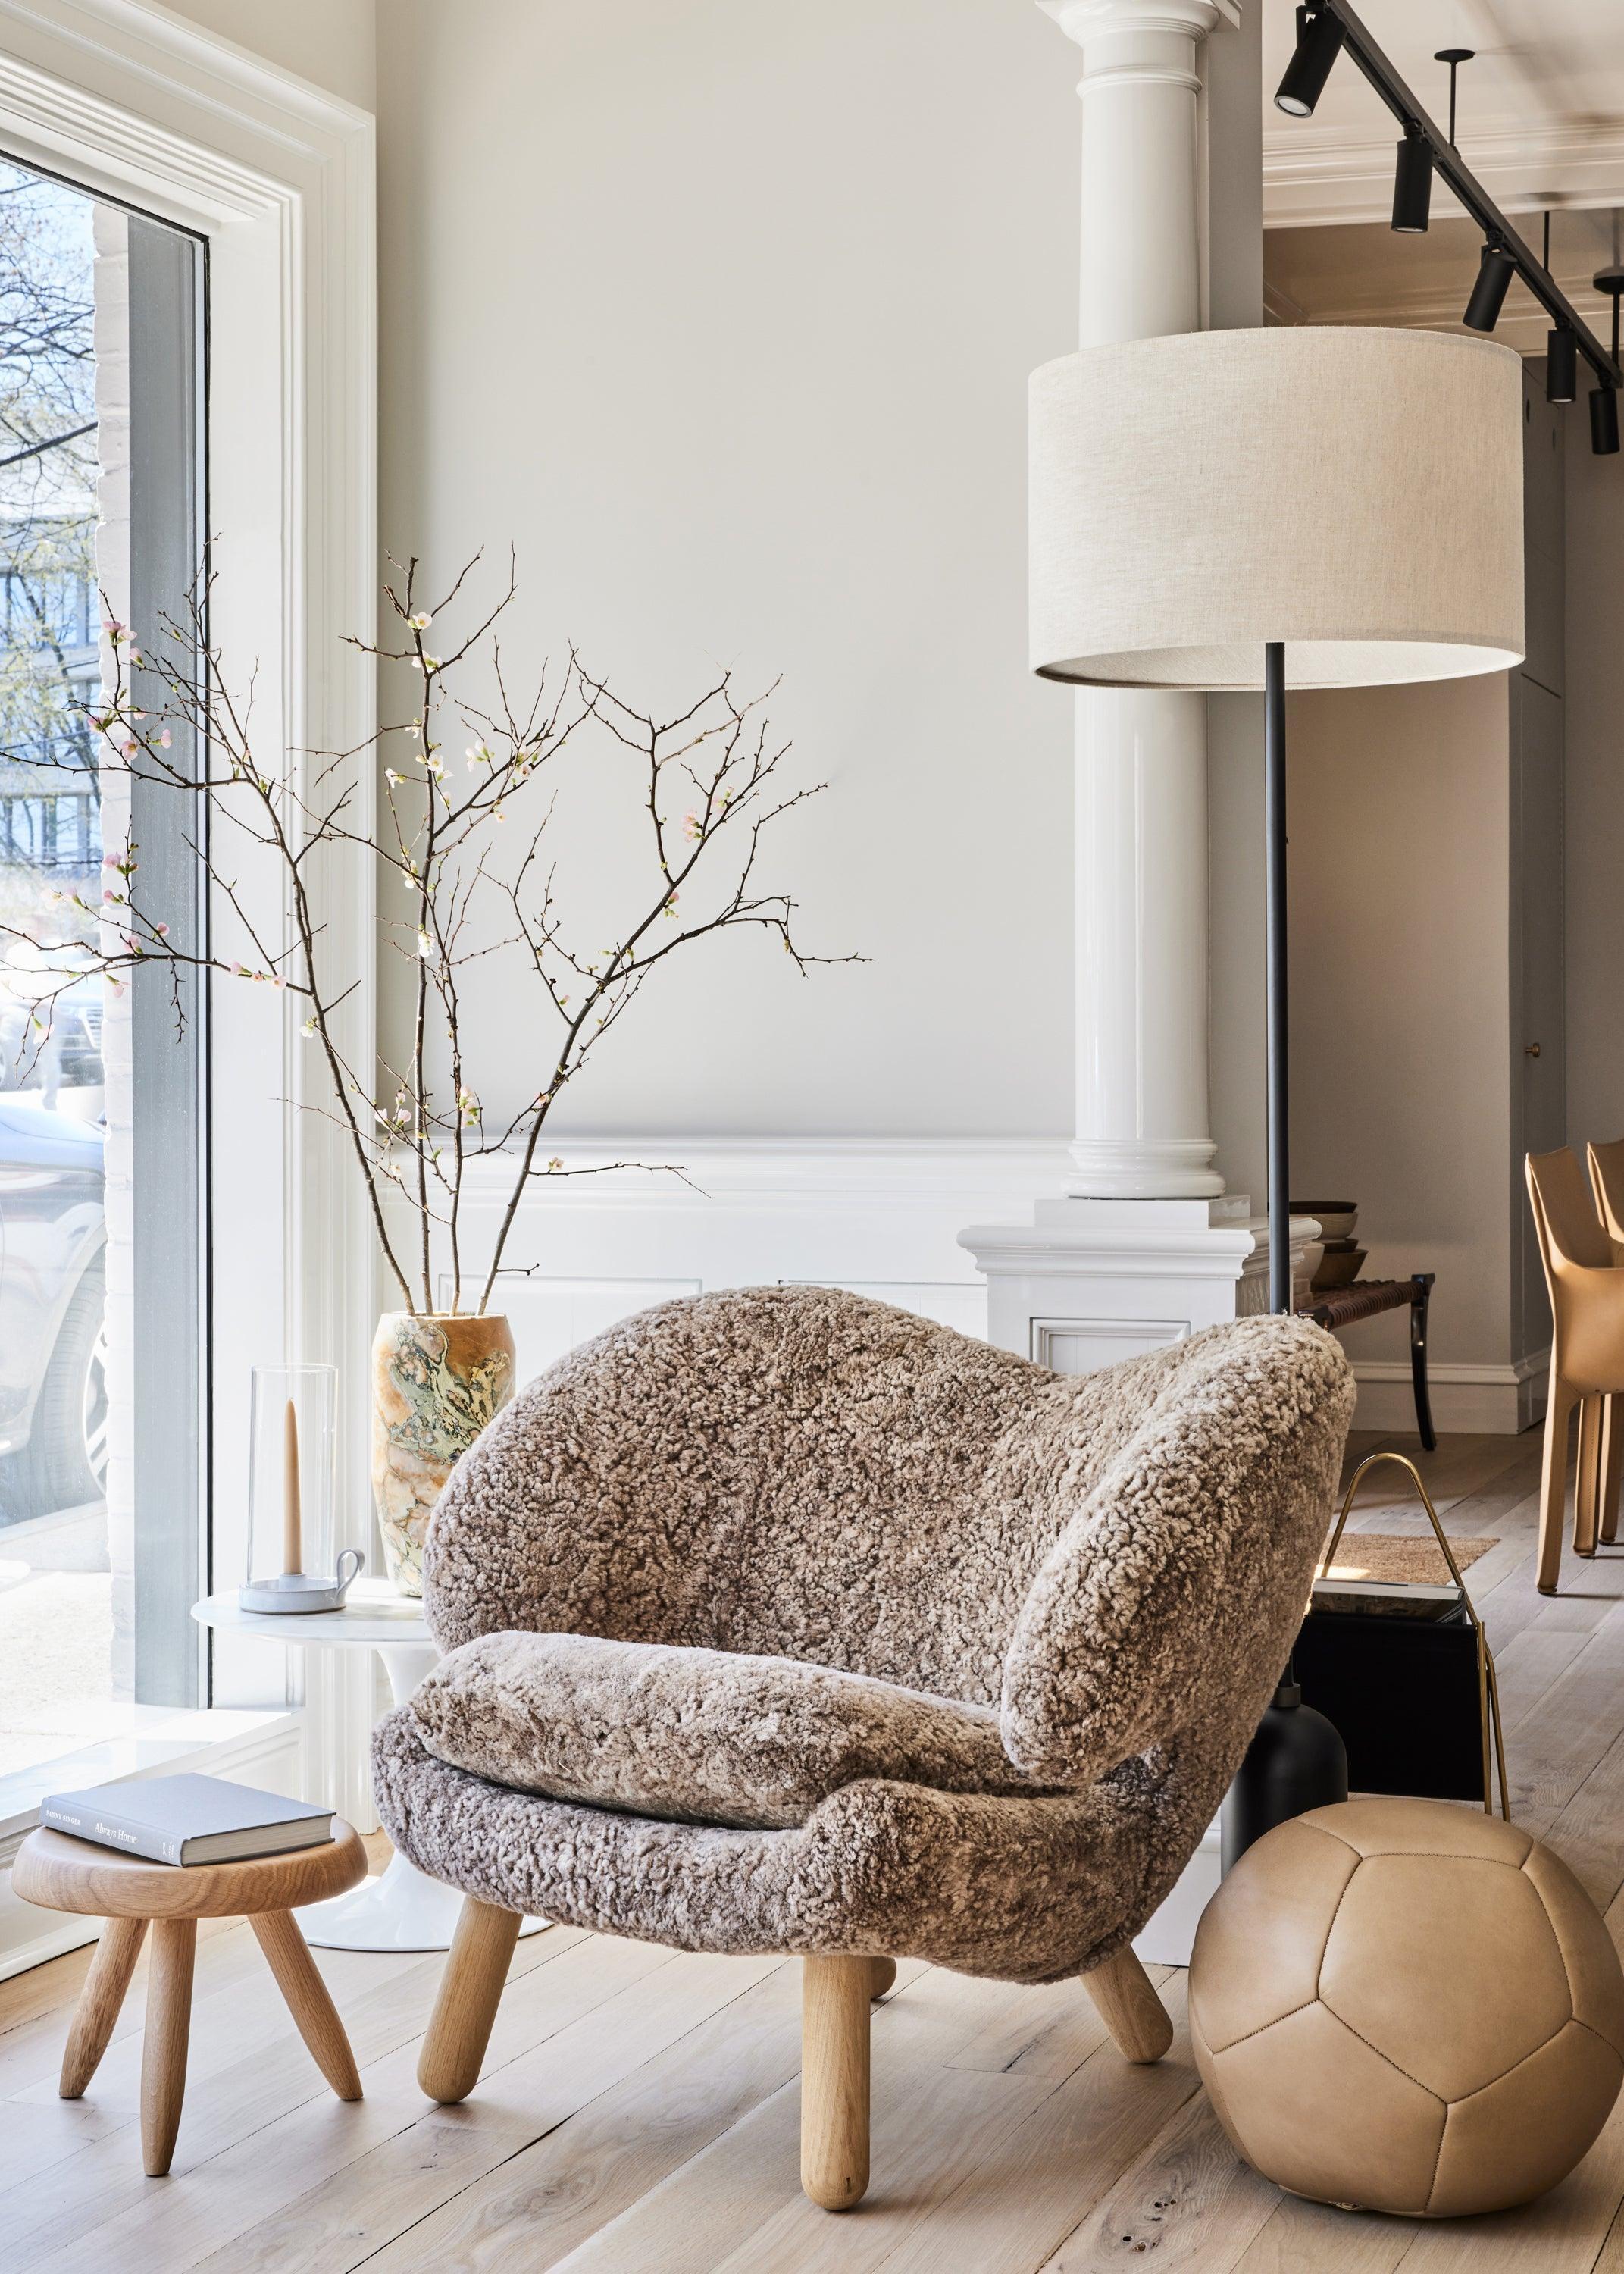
(739,2209)
(266,2130)
(347,2220)
(1189,2198)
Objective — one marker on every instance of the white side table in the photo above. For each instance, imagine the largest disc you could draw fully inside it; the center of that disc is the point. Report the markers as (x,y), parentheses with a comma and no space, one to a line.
(402,1909)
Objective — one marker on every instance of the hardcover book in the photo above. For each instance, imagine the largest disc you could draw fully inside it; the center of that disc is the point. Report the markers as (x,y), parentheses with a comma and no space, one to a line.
(188,1819)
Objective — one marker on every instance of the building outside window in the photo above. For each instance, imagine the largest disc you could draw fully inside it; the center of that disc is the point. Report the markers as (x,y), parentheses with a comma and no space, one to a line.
(102,1299)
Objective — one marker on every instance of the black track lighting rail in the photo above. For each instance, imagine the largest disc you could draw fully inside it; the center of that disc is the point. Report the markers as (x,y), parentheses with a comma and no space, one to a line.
(1498,231)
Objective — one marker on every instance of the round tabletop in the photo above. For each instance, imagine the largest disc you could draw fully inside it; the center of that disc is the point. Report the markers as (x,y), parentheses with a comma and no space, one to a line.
(64,1874)
(374,1615)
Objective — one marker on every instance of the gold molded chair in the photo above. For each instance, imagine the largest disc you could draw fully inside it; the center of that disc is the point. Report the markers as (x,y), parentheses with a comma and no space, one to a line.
(1586,1284)
(1607,1182)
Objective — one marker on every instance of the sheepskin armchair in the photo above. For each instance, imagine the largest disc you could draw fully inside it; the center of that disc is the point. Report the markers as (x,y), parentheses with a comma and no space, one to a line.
(781,1620)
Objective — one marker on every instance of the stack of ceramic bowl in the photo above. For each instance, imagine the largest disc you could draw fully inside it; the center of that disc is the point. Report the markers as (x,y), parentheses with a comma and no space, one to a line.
(1341,1258)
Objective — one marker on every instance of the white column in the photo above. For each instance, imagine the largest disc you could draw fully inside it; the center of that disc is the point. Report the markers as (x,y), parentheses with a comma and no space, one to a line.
(1147,1247)
(1141,1124)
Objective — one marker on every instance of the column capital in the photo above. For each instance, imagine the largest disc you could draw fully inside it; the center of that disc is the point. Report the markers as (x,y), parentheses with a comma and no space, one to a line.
(1082,19)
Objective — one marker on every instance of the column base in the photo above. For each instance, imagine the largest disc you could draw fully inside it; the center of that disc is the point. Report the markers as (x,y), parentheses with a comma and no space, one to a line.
(1136,1168)
(1090,1281)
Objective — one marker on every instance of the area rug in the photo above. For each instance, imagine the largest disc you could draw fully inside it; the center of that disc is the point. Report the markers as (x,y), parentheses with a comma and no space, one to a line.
(1389,1557)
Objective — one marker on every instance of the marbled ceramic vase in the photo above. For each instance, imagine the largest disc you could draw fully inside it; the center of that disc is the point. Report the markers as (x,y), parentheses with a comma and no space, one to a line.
(437,1380)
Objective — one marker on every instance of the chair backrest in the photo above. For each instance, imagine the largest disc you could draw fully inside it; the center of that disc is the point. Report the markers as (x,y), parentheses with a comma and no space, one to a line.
(1164,1614)
(1607,1182)
(1565,1218)
(791,1470)
(805,1473)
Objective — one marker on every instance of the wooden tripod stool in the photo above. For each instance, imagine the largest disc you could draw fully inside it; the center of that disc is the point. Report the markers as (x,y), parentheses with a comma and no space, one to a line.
(64,1874)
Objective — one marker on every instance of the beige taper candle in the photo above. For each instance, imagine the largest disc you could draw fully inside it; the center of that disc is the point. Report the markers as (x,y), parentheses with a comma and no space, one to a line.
(292,1546)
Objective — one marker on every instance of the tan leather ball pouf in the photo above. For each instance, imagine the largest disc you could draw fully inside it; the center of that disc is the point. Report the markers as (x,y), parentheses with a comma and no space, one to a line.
(1408,2006)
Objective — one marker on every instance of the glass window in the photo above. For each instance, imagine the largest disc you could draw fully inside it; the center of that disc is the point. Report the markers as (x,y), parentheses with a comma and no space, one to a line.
(102,1313)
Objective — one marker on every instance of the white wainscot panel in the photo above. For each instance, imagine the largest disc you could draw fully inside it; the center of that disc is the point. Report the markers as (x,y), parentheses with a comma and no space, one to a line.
(1082,1346)
(550,1316)
(879,1216)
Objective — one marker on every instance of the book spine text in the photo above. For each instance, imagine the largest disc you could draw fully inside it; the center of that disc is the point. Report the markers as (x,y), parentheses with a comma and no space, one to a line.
(119,1832)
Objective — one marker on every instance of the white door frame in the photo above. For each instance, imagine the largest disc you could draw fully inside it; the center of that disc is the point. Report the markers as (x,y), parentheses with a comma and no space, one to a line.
(130,101)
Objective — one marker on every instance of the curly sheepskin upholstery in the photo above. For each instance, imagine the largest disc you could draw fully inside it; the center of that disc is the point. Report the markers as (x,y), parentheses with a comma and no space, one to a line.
(1114,1564)
(703,1736)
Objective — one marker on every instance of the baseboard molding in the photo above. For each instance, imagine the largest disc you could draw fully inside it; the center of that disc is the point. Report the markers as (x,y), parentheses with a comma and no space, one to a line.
(1487,1400)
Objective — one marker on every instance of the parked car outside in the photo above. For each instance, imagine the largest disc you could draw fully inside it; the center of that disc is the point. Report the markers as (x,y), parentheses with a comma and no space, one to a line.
(53,1288)
(65,1051)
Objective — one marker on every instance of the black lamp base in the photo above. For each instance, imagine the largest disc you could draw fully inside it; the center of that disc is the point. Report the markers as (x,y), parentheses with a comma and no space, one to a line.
(1296,1761)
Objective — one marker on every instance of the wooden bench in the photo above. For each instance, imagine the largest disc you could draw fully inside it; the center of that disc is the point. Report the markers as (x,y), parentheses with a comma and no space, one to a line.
(1335,1307)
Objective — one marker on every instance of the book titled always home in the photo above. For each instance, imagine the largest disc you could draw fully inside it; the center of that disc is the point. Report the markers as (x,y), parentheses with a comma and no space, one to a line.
(188,1819)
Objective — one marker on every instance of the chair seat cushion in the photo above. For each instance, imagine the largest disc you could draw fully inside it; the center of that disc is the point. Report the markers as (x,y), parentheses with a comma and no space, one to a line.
(698,1736)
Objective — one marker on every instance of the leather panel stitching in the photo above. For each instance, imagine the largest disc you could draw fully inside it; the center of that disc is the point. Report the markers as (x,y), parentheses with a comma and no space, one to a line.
(1263,2027)
(1382,2054)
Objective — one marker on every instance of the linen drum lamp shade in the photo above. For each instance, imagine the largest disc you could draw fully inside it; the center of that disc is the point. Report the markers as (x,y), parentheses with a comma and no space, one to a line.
(1357,494)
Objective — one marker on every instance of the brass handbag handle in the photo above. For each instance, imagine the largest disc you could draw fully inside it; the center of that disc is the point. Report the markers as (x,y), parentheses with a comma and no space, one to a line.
(1488,1681)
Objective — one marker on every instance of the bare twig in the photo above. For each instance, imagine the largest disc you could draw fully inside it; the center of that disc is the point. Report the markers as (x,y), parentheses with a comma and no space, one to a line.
(706,782)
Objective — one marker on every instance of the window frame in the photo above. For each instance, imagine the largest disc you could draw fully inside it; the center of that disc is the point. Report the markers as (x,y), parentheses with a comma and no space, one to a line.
(277,176)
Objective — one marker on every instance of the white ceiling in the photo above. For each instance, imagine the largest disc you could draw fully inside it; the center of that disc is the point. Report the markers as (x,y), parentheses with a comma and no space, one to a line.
(1541,119)
(1555,61)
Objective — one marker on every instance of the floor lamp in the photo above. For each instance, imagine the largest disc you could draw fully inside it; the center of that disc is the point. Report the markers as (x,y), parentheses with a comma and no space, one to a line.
(1303,508)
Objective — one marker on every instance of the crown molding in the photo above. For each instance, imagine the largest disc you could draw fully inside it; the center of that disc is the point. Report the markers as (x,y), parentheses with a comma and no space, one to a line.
(1328,176)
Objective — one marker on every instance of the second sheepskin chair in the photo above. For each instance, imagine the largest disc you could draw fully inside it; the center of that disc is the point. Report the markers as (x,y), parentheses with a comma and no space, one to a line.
(780,1620)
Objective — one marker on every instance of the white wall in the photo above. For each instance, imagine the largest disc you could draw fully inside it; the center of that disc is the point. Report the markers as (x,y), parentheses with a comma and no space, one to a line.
(1397,801)
(723,313)
(1595,717)
(330,42)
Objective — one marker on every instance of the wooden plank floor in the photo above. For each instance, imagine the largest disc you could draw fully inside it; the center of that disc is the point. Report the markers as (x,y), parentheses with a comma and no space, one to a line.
(639,2109)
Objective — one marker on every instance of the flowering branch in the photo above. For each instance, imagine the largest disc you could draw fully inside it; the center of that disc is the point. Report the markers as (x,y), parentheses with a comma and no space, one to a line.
(469,849)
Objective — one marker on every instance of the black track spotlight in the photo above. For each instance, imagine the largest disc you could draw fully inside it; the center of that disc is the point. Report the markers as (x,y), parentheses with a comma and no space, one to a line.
(1605,421)
(1561,365)
(1495,271)
(1319,43)
(1412,186)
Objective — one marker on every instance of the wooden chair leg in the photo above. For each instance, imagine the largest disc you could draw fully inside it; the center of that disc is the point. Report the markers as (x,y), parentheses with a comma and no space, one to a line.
(1612,1467)
(882,1973)
(163,2053)
(100,2001)
(1553,1484)
(834,2079)
(470,1990)
(287,1954)
(1128,2005)
(1587,1482)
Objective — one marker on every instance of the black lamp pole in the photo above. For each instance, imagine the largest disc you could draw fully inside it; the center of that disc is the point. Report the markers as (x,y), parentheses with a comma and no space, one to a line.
(1274,900)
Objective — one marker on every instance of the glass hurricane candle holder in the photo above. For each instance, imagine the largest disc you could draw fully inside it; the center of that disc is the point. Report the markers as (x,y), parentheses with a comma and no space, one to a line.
(291,1436)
